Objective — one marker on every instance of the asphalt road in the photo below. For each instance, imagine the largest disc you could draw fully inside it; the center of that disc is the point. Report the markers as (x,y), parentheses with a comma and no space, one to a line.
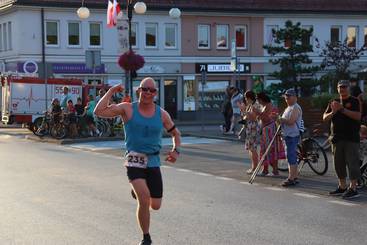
(52,194)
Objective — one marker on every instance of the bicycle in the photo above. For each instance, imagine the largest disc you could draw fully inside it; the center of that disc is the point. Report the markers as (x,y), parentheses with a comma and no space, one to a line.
(311,152)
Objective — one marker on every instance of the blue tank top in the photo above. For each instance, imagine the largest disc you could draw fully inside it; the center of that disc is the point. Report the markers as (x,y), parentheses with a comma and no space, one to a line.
(144,134)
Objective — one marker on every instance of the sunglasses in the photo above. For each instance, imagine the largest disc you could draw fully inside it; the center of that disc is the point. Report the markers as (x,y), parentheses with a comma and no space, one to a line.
(343,86)
(152,90)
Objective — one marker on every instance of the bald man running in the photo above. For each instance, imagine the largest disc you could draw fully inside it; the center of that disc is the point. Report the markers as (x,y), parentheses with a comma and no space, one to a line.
(143,124)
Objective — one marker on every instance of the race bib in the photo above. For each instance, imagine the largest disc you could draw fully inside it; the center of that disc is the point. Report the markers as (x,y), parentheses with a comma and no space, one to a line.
(136,160)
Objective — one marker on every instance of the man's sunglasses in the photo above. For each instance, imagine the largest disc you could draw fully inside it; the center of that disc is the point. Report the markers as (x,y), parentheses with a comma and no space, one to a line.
(152,90)
(343,86)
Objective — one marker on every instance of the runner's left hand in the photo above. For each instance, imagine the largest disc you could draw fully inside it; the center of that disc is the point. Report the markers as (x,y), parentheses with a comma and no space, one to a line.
(172,156)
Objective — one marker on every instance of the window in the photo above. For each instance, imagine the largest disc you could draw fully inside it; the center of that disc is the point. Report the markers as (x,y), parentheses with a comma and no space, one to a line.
(134,28)
(269,34)
(151,33)
(74,34)
(9,36)
(5,38)
(365,37)
(352,36)
(52,33)
(240,34)
(95,34)
(170,35)
(335,34)
(189,93)
(203,36)
(306,38)
(222,36)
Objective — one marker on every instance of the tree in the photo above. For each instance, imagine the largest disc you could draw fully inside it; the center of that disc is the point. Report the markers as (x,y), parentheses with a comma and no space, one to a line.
(338,57)
(292,43)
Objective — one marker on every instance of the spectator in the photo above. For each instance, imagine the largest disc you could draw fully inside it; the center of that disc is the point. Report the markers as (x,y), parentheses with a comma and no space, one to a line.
(101,92)
(344,113)
(236,100)
(268,130)
(252,128)
(65,98)
(79,107)
(70,113)
(227,111)
(89,118)
(56,112)
(291,121)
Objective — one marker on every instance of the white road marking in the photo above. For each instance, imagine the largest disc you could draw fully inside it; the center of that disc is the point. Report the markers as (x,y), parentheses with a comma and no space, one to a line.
(305,195)
(344,203)
(184,170)
(202,174)
(223,178)
(274,189)
(165,166)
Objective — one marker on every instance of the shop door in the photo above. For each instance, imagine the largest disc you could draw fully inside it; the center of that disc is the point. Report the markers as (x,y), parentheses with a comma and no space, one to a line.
(170,97)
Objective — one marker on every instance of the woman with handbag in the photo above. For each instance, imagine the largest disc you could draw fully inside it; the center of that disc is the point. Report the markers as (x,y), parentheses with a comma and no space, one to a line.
(252,129)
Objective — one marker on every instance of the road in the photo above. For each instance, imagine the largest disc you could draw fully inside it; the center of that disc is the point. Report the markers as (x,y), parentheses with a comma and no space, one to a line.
(52,194)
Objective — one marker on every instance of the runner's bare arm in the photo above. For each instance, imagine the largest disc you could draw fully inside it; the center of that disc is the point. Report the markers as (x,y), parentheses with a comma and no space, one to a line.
(103,109)
(175,134)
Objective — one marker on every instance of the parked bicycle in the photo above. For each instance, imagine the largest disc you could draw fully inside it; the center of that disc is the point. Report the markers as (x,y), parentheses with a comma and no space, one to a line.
(309,152)
(47,125)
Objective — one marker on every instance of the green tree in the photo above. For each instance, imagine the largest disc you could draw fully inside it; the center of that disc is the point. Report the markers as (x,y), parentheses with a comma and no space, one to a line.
(337,59)
(290,51)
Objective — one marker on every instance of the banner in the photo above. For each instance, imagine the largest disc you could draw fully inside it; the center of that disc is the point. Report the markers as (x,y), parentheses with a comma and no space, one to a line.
(122,33)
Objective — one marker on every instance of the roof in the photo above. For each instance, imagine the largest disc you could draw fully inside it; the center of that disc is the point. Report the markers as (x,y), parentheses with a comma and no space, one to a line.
(322,6)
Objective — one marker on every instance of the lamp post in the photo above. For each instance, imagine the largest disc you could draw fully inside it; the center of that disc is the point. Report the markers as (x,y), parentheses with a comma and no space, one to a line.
(141,8)
(83,12)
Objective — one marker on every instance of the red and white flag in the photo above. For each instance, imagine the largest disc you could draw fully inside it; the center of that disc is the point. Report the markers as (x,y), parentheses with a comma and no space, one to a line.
(113,10)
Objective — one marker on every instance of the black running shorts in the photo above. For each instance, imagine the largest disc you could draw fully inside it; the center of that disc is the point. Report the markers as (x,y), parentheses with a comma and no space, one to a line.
(152,176)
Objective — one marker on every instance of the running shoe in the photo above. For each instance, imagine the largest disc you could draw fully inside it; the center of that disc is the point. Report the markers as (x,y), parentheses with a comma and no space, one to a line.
(338,192)
(145,242)
(350,194)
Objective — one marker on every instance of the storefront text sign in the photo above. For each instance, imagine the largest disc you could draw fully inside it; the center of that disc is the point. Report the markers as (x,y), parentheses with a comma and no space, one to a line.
(222,68)
(72,68)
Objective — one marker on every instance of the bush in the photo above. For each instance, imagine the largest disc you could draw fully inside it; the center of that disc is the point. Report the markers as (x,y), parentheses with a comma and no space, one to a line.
(321,101)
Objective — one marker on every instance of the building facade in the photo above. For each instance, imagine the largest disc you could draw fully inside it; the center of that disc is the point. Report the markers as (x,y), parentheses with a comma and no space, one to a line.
(193,58)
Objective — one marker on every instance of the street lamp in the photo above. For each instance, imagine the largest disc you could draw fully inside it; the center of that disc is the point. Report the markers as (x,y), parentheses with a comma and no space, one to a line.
(83,12)
(141,8)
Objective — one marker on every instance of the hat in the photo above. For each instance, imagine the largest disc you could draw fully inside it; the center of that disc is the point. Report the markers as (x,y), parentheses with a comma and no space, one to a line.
(290,92)
(344,83)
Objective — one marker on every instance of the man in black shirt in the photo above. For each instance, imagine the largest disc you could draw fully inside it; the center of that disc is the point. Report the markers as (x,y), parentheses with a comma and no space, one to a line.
(344,113)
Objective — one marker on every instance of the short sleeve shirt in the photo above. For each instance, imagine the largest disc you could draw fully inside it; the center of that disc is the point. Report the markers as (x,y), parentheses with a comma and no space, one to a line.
(343,127)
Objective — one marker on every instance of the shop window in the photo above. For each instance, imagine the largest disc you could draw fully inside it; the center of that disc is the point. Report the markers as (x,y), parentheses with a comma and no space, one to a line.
(214,94)
(189,93)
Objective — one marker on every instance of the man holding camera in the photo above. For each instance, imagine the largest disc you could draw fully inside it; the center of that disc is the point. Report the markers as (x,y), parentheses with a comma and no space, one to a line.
(344,113)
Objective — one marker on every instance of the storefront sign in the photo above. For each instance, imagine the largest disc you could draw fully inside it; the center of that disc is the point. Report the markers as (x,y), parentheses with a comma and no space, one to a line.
(29,67)
(72,68)
(222,68)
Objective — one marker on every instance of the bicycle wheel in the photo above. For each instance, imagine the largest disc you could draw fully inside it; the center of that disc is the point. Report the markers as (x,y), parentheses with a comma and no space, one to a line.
(42,130)
(58,131)
(315,156)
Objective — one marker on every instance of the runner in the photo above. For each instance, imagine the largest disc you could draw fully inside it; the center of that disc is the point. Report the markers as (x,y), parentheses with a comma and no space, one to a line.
(143,124)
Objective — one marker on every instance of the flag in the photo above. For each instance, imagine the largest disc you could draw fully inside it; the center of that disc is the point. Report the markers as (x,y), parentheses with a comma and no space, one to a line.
(113,9)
